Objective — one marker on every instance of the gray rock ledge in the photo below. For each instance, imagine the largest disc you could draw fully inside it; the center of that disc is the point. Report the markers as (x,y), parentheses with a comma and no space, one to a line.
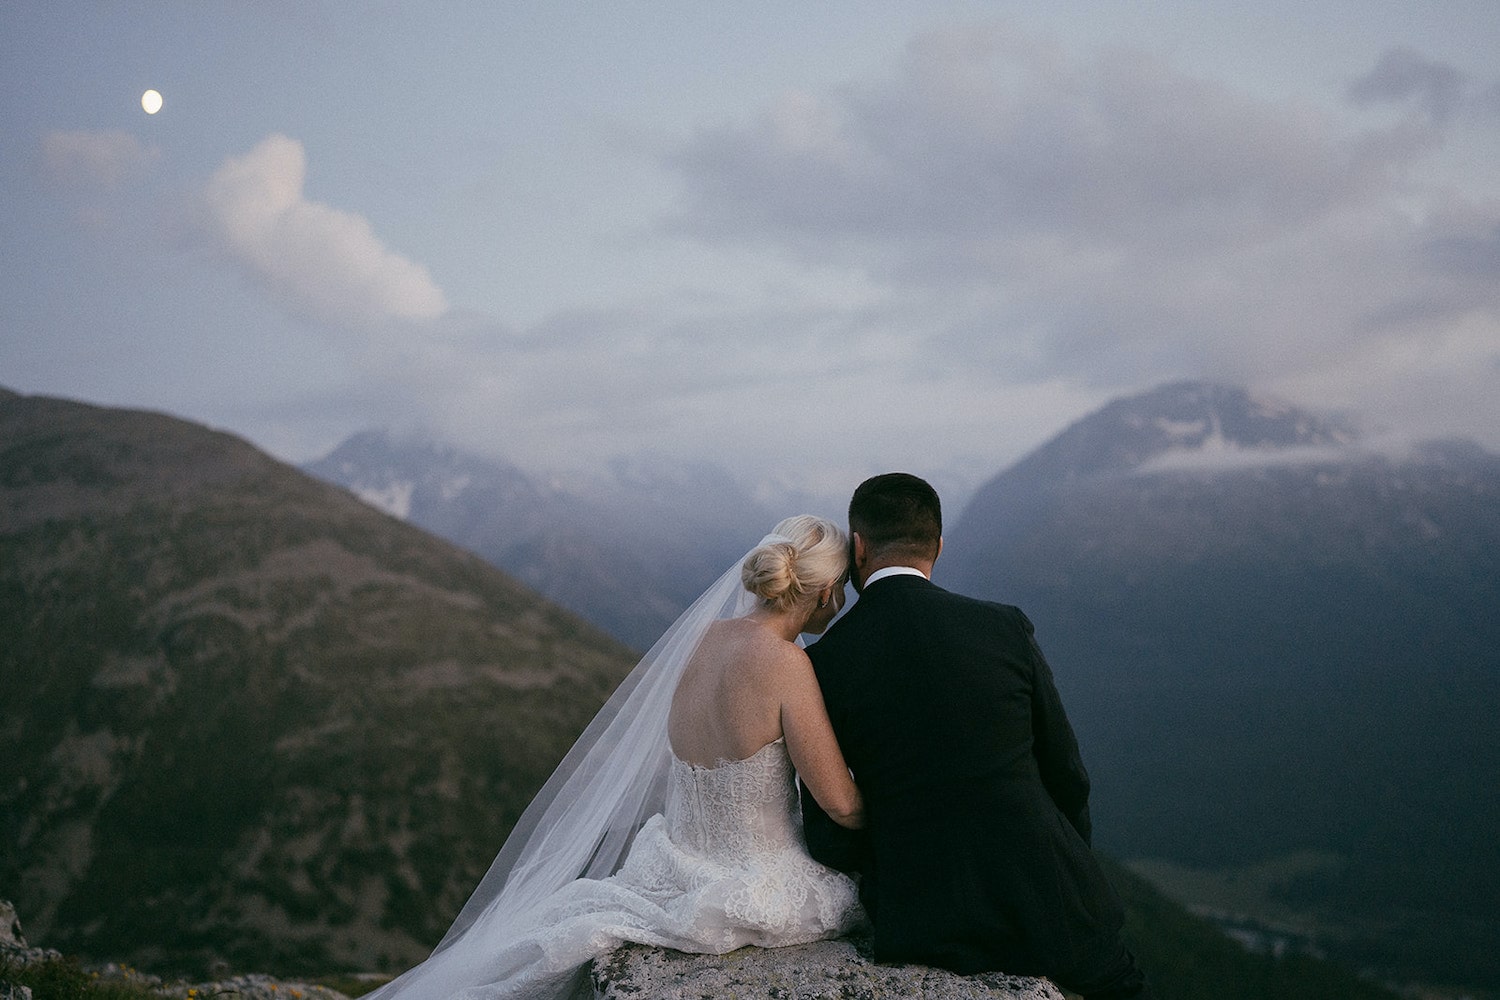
(823,970)
(14,949)
(13,946)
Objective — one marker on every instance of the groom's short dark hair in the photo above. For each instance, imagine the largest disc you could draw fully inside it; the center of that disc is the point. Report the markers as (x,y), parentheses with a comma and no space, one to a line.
(897,514)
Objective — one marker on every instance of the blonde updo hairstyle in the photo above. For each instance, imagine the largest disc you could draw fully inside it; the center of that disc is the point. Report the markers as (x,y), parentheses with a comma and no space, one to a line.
(801,556)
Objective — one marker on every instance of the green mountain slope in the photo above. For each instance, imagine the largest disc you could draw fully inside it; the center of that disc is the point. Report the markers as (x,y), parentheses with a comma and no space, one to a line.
(1188,958)
(1274,645)
(246,716)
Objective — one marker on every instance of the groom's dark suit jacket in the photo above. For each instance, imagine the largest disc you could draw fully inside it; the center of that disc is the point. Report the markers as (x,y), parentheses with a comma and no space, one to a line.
(976,856)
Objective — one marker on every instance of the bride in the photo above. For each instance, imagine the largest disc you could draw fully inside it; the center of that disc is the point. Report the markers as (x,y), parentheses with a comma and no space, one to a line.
(674,820)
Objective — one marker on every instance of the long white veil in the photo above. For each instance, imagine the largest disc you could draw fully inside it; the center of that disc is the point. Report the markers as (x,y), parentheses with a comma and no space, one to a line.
(582,822)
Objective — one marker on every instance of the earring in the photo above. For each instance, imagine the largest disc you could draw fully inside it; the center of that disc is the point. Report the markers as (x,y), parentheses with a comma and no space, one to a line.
(823,603)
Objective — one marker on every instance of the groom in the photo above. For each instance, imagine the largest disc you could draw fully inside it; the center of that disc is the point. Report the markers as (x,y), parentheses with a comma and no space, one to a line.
(977,853)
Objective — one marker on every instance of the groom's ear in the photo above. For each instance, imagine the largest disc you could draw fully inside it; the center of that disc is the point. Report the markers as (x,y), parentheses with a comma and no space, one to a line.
(857,551)
(856,544)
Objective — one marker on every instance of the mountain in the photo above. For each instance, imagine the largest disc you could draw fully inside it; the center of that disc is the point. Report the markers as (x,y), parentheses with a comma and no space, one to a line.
(246,716)
(629,548)
(1280,648)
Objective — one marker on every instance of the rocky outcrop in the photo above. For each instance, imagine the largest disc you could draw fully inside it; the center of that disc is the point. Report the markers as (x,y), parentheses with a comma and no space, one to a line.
(13,947)
(15,952)
(824,970)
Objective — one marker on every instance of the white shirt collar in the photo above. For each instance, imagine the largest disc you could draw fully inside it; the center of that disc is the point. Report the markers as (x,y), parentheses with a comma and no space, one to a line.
(881,574)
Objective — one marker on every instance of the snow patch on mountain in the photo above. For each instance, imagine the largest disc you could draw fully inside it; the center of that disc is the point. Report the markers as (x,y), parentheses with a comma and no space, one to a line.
(1217,454)
(451,487)
(394,498)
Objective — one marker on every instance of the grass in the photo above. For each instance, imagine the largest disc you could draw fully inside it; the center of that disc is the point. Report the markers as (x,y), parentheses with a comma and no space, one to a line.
(63,979)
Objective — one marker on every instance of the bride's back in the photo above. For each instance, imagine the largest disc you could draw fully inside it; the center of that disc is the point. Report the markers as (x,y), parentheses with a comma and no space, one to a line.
(726,706)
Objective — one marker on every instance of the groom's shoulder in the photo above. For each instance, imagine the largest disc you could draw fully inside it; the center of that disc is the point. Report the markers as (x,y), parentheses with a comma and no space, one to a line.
(905,596)
(853,628)
(998,611)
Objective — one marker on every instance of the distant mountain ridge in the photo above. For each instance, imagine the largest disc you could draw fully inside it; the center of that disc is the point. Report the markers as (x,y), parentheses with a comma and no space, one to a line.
(1185,420)
(628,550)
(247,716)
(1274,639)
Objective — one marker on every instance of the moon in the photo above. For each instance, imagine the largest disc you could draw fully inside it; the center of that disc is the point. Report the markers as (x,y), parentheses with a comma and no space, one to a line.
(151,102)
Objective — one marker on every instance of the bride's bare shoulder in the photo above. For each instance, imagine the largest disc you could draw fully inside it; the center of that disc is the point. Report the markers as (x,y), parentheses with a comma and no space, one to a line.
(751,646)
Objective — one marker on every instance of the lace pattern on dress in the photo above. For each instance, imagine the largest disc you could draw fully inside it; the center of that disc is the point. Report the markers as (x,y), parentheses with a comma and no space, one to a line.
(746,814)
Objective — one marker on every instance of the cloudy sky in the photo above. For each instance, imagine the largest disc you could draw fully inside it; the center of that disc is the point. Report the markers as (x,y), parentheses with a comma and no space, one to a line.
(807,240)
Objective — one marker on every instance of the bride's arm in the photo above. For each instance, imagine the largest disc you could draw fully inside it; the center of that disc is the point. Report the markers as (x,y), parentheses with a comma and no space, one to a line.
(813,748)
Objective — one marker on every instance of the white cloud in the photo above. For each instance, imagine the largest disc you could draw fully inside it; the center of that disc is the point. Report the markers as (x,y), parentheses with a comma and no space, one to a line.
(96,160)
(1114,221)
(986,244)
(319,260)
(1222,457)
(1029,234)
(984,135)
(1404,74)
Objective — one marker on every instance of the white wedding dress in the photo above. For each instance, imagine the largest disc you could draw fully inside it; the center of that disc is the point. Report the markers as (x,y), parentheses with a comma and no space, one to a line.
(725,866)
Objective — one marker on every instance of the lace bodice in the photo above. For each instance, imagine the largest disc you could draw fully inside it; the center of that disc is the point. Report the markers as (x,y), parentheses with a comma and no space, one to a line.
(730,845)
(736,809)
